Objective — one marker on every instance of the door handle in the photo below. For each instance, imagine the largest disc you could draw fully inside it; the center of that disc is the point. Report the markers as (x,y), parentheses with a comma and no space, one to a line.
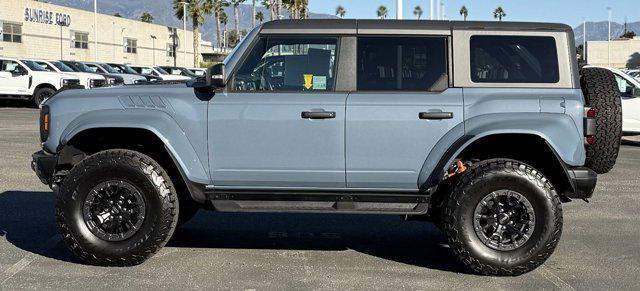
(318,114)
(435,115)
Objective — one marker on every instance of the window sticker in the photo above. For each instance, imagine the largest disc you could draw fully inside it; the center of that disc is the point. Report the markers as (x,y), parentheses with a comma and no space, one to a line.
(308,81)
(319,82)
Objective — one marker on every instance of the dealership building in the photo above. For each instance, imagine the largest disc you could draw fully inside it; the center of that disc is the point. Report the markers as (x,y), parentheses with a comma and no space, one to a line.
(32,29)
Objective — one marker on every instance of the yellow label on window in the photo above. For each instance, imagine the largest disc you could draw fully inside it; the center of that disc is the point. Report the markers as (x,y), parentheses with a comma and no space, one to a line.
(308,81)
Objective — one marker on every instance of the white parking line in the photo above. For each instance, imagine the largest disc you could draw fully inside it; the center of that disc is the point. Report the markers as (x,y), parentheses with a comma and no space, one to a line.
(28,259)
(554,279)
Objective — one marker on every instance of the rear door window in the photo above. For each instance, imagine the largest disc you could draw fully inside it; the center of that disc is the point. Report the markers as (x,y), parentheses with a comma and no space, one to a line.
(402,64)
(514,59)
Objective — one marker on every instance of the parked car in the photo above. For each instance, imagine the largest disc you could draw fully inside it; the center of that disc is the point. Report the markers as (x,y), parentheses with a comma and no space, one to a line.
(112,79)
(126,69)
(87,80)
(634,73)
(479,127)
(179,71)
(629,88)
(157,71)
(129,79)
(200,72)
(25,79)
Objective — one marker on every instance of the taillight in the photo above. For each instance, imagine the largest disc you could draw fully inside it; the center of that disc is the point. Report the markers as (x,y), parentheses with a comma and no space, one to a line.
(590,139)
(45,123)
(591,113)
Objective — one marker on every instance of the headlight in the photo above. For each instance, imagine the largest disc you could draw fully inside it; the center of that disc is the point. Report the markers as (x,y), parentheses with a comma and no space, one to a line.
(69,82)
(96,83)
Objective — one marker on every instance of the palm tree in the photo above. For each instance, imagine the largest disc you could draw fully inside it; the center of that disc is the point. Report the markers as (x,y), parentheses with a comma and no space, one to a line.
(260,16)
(269,5)
(253,24)
(464,12)
(499,13)
(196,10)
(218,8)
(146,17)
(279,9)
(236,14)
(418,11)
(223,19)
(340,12)
(382,12)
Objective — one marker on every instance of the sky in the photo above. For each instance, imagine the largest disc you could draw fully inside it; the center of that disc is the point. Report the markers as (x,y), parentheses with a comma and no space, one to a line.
(571,12)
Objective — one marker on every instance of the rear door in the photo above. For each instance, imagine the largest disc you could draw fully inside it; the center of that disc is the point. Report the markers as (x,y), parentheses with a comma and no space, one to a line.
(280,123)
(402,108)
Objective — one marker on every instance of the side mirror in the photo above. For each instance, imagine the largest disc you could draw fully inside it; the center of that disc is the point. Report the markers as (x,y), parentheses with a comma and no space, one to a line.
(215,76)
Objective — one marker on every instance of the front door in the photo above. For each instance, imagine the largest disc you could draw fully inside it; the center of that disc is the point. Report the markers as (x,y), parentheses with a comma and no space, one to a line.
(280,123)
(13,78)
(402,108)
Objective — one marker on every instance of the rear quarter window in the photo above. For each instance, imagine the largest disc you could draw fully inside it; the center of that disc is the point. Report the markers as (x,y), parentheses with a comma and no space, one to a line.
(514,59)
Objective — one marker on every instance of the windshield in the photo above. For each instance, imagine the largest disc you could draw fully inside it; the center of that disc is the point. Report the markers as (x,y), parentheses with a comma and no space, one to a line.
(161,71)
(83,68)
(62,67)
(129,70)
(109,69)
(34,66)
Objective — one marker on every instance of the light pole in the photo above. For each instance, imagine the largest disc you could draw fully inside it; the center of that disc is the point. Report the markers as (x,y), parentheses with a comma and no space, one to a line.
(609,39)
(153,51)
(184,18)
(95,27)
(431,9)
(584,39)
(438,10)
(399,9)
(444,11)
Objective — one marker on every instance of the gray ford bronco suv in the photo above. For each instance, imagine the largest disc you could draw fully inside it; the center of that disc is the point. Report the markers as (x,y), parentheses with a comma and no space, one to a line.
(482,128)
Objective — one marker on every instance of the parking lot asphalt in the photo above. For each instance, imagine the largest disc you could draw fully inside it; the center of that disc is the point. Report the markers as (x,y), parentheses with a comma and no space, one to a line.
(599,249)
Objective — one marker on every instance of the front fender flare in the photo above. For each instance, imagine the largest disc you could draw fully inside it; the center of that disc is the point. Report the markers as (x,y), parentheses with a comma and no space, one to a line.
(158,122)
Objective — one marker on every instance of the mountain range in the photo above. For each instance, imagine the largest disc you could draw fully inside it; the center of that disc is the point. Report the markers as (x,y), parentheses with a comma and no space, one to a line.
(162,12)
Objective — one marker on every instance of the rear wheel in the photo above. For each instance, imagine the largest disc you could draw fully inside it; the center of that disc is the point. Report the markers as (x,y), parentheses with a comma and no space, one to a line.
(600,90)
(503,218)
(116,208)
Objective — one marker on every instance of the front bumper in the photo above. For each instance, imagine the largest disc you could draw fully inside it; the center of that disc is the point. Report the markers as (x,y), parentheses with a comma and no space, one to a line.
(583,181)
(44,164)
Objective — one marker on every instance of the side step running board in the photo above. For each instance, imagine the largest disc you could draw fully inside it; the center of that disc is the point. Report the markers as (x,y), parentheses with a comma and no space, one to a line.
(322,202)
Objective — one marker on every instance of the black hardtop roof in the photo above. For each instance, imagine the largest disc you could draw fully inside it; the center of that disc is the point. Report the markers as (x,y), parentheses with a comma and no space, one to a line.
(355,26)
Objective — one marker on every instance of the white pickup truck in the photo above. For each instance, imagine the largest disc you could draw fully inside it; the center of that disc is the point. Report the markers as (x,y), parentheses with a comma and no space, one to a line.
(87,80)
(25,79)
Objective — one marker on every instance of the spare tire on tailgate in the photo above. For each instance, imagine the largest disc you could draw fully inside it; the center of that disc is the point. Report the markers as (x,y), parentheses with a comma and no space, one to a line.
(601,93)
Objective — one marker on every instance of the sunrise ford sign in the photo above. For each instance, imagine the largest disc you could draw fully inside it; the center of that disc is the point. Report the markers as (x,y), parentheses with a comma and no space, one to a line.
(46,17)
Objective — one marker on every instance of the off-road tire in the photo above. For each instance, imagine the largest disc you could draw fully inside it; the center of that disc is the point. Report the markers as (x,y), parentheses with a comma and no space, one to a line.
(482,179)
(161,214)
(42,94)
(600,90)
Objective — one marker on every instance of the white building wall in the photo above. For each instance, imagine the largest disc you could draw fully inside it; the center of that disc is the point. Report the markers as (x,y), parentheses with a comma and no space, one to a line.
(52,41)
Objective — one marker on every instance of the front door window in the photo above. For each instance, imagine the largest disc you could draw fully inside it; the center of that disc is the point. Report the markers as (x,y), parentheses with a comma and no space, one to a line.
(289,64)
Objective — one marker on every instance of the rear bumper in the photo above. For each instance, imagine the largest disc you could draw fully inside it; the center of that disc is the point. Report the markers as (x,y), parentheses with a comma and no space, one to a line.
(584,182)
(44,165)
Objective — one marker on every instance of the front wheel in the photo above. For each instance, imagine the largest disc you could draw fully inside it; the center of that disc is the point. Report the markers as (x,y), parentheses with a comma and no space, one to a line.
(116,208)
(503,218)
(42,94)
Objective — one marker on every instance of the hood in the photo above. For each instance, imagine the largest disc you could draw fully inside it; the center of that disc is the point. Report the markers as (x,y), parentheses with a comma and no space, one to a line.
(88,75)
